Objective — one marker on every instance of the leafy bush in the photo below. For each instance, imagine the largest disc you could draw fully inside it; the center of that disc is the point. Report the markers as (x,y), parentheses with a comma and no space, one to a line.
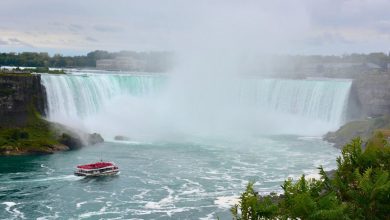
(36,136)
(17,134)
(359,189)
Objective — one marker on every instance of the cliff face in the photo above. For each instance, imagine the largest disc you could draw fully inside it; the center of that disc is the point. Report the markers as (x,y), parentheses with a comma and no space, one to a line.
(371,95)
(18,94)
(364,129)
(22,131)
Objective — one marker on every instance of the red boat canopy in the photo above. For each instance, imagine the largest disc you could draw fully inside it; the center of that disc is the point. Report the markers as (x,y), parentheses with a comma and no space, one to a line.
(97,165)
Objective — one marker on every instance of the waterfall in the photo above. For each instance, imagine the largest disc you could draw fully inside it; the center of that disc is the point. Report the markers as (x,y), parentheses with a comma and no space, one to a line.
(322,100)
(79,96)
(142,105)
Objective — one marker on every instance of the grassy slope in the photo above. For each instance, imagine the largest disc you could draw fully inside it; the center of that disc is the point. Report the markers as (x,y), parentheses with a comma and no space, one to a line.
(34,138)
(362,128)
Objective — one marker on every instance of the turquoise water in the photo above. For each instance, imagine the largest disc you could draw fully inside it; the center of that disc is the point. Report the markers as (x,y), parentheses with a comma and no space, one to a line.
(194,179)
(195,144)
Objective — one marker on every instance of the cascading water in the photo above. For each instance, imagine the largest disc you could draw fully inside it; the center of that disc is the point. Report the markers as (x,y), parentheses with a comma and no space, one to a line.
(78,96)
(318,102)
(178,171)
(140,105)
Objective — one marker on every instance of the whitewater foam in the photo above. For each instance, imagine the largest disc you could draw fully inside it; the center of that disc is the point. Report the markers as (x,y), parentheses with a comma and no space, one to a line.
(149,107)
(226,202)
(14,211)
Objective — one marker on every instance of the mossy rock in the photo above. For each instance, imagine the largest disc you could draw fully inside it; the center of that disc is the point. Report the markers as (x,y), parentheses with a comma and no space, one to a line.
(34,138)
(39,136)
(362,128)
(7,91)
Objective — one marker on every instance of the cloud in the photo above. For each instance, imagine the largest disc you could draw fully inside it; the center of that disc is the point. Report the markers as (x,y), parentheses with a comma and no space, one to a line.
(328,38)
(91,39)
(347,13)
(15,41)
(56,23)
(383,26)
(3,42)
(76,28)
(165,25)
(107,28)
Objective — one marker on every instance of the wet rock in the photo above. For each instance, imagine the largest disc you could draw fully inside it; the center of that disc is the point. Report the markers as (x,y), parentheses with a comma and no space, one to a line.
(121,138)
(19,93)
(80,139)
(372,92)
(95,138)
(361,128)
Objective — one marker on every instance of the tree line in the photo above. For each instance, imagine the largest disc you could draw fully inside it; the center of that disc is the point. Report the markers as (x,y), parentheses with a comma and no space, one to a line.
(163,60)
(42,59)
(379,58)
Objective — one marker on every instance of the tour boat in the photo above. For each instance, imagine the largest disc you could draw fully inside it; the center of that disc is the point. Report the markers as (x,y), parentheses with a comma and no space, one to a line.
(97,169)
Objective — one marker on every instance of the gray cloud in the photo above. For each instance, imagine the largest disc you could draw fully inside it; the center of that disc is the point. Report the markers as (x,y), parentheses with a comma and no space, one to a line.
(166,25)
(56,23)
(3,42)
(75,28)
(91,39)
(328,38)
(15,41)
(345,13)
(383,26)
(107,28)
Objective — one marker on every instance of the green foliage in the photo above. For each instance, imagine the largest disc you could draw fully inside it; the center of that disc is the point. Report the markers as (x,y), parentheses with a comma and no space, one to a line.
(36,136)
(18,134)
(7,91)
(32,59)
(155,61)
(359,189)
(44,70)
(254,207)
(25,72)
(305,199)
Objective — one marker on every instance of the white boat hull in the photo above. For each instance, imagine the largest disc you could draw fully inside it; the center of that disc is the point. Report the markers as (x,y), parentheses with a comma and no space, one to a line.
(108,173)
(97,169)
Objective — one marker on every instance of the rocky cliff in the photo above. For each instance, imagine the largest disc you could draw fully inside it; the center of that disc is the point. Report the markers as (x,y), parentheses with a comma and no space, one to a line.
(370,96)
(368,109)
(22,128)
(19,93)
(363,128)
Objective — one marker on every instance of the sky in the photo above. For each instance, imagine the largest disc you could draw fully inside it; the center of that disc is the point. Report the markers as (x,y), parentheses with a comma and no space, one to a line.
(74,27)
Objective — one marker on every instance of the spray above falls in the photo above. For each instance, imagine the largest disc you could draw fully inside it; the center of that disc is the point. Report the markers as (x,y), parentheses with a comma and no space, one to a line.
(144,106)
(203,95)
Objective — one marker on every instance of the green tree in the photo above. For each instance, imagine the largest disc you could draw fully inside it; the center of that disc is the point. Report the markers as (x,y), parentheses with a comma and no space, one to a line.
(359,189)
